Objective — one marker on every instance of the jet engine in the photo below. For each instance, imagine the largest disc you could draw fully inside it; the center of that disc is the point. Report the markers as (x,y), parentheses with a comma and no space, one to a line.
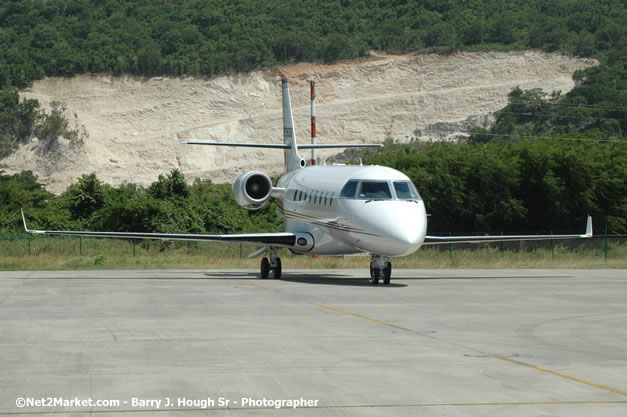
(252,190)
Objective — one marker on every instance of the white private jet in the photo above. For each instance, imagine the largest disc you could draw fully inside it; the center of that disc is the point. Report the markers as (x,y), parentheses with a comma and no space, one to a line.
(329,210)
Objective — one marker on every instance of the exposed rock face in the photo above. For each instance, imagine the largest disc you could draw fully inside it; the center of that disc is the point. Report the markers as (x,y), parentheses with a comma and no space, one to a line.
(452,130)
(132,126)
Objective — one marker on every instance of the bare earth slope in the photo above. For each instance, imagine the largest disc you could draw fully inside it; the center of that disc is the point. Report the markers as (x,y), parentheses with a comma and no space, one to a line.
(134,124)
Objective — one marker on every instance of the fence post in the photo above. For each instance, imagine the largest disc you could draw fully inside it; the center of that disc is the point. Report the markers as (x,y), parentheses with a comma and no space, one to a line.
(188,245)
(450,247)
(606,243)
(240,251)
(133,247)
(502,248)
(552,249)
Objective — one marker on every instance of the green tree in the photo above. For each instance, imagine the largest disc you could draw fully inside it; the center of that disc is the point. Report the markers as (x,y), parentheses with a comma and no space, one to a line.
(502,186)
(85,197)
(55,125)
(169,187)
(19,191)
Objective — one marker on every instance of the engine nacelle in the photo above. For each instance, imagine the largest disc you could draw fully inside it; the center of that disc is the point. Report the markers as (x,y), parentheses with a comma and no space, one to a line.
(252,190)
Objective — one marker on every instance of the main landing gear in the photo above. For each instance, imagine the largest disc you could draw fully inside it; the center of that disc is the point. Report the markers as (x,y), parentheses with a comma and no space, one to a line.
(380,268)
(273,265)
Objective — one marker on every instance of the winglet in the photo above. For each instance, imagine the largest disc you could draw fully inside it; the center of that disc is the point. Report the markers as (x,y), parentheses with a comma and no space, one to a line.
(589,227)
(24,220)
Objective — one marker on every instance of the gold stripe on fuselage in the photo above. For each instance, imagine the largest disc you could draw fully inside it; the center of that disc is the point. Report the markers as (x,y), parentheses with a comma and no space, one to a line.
(320,222)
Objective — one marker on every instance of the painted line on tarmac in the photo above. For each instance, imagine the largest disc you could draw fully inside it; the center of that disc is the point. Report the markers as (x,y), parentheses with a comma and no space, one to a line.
(262,287)
(330,406)
(572,378)
(337,310)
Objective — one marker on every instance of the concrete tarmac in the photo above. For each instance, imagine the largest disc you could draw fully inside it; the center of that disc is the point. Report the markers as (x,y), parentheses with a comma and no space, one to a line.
(433,343)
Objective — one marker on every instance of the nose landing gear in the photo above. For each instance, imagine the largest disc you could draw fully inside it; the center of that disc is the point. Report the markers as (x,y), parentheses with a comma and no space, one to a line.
(273,265)
(380,268)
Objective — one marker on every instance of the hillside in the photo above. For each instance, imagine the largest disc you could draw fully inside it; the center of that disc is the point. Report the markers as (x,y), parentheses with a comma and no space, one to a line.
(132,125)
(212,37)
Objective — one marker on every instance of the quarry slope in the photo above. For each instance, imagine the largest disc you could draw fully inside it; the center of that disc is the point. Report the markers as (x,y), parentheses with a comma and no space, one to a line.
(132,126)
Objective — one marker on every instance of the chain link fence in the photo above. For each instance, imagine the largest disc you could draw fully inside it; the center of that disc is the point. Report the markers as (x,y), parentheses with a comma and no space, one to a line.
(33,245)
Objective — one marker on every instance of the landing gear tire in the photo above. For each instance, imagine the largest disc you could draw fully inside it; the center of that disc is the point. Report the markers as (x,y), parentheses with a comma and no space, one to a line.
(387,273)
(265,268)
(374,276)
(276,271)
(380,268)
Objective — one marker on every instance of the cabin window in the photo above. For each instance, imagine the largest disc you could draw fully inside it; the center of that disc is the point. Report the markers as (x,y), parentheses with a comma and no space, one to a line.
(405,190)
(349,189)
(374,190)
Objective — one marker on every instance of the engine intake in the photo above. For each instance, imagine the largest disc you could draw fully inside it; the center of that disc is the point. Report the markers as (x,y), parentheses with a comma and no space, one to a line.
(304,243)
(252,190)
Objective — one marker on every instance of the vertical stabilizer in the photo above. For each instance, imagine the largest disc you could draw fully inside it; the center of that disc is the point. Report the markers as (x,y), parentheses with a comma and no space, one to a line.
(293,160)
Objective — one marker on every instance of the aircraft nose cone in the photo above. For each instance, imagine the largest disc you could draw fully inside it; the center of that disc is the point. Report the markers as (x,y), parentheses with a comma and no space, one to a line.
(395,228)
(403,234)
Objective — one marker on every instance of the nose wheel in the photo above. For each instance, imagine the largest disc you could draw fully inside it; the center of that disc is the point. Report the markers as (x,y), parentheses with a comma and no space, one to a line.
(272,265)
(380,268)
(388,273)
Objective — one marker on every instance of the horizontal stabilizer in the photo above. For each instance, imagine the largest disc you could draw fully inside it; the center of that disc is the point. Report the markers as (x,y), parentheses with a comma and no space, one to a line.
(340,145)
(240,144)
(283,146)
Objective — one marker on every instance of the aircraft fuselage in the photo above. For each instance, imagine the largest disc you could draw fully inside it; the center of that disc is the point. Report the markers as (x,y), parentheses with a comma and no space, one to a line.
(379,212)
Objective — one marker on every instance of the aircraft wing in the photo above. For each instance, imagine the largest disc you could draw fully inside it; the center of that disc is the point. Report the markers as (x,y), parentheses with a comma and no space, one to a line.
(270,239)
(438,240)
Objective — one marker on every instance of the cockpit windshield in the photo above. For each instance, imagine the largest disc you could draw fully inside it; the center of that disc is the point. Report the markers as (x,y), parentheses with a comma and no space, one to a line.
(349,189)
(405,190)
(380,190)
(374,190)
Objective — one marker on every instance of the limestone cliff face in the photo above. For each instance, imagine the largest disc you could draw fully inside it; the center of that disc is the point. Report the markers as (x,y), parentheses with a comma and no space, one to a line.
(133,125)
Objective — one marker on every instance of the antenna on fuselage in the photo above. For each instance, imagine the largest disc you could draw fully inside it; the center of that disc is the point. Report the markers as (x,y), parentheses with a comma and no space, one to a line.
(313,121)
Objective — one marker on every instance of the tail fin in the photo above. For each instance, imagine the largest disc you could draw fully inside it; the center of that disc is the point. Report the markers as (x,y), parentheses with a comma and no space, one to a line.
(293,160)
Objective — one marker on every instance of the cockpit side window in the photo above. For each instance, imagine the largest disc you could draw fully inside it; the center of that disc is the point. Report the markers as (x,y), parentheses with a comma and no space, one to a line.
(349,189)
(375,190)
(405,190)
